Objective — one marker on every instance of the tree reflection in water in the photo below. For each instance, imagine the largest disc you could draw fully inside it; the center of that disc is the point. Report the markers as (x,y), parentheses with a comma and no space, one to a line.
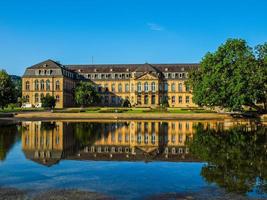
(8,136)
(236,158)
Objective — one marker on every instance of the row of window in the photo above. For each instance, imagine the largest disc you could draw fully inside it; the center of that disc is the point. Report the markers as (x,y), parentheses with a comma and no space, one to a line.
(146,87)
(42,85)
(38,98)
(129,75)
(146,99)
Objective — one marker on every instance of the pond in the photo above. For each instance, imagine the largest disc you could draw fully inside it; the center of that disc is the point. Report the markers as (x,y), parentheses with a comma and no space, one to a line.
(137,159)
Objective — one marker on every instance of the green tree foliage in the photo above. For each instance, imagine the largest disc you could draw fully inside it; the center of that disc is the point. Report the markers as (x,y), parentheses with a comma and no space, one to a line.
(85,94)
(236,158)
(17,87)
(48,102)
(7,89)
(232,77)
(126,103)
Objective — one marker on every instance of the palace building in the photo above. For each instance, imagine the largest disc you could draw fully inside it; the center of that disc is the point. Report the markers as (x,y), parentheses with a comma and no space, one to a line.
(144,85)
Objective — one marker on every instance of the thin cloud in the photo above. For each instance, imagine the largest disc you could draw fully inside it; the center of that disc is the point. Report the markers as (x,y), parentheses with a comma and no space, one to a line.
(155,27)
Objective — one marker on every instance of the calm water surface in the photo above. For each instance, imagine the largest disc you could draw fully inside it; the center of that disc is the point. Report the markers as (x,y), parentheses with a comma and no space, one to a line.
(136,159)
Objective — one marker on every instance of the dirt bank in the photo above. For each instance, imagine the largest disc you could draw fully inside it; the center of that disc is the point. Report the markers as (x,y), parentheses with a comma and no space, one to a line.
(119,116)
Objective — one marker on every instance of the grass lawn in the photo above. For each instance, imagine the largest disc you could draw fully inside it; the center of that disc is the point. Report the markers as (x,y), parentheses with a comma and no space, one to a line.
(18,109)
(110,110)
(130,110)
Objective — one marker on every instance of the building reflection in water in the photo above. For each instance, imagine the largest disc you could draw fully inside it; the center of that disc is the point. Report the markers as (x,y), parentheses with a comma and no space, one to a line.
(49,142)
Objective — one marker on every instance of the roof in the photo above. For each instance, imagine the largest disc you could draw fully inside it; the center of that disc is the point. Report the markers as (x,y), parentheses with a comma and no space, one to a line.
(108,68)
(48,64)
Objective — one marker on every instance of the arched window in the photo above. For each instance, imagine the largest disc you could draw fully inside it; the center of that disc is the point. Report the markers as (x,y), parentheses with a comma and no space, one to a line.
(180,87)
(139,87)
(57,85)
(27,98)
(173,87)
(146,87)
(42,84)
(47,85)
(113,87)
(36,85)
(36,97)
(126,87)
(27,85)
(120,87)
(153,86)
(57,98)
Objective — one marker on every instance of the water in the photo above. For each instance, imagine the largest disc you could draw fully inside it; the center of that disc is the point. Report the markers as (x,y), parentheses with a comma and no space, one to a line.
(137,159)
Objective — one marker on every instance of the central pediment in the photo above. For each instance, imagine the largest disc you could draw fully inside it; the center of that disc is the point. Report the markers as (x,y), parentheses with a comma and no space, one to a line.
(147,76)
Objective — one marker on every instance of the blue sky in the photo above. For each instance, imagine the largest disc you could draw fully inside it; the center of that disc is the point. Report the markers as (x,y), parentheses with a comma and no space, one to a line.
(123,31)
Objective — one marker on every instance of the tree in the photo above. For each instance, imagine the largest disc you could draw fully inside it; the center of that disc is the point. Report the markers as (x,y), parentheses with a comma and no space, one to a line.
(48,102)
(7,89)
(232,77)
(85,94)
(17,87)
(126,103)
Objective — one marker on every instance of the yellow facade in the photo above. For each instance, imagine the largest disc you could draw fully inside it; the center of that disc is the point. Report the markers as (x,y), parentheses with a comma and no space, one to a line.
(142,85)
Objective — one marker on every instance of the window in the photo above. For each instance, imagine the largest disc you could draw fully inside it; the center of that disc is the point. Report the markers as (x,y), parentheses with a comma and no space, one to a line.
(48,85)
(27,85)
(153,99)
(146,87)
(166,87)
(106,100)
(106,87)
(113,87)
(187,126)
(180,87)
(173,75)
(41,96)
(42,84)
(99,88)
(146,99)
(180,99)
(36,85)
(36,98)
(187,87)
(180,126)
(173,99)
(173,126)
(27,98)
(139,87)
(57,85)
(153,87)
(187,99)
(126,87)
(120,87)
(180,75)
(57,98)
(113,100)
(173,87)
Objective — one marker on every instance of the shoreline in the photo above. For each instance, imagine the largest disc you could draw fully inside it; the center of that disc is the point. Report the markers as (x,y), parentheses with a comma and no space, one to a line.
(36,116)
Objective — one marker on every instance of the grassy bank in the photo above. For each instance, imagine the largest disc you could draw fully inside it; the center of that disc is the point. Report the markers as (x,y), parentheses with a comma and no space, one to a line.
(17,109)
(131,110)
